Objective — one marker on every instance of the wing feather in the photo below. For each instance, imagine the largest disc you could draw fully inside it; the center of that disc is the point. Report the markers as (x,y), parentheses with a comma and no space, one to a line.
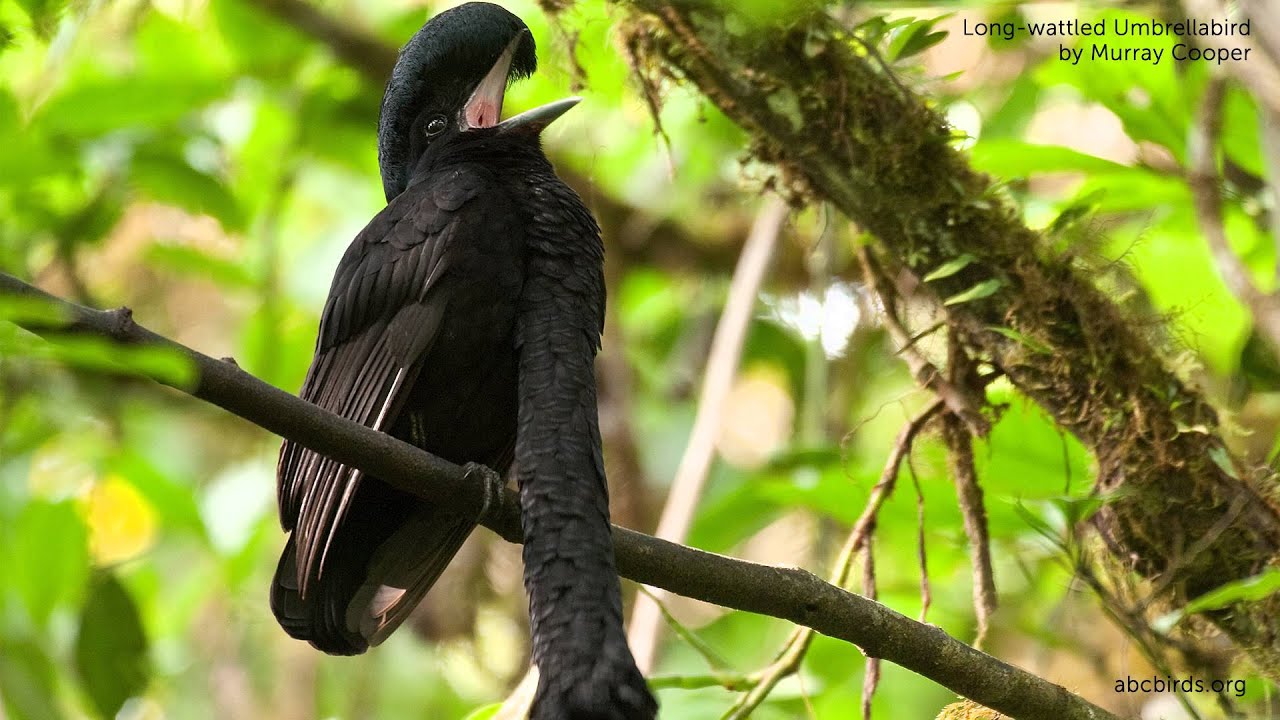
(383,313)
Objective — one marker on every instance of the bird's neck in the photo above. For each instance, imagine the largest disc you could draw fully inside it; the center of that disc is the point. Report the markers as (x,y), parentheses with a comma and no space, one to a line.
(514,159)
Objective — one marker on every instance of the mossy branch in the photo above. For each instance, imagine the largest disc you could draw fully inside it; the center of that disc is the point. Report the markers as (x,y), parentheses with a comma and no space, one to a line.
(841,128)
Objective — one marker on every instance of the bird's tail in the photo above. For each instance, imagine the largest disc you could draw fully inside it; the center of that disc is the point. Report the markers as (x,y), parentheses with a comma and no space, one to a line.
(386,554)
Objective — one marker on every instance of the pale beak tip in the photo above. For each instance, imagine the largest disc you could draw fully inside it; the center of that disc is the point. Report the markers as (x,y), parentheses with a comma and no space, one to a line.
(537,119)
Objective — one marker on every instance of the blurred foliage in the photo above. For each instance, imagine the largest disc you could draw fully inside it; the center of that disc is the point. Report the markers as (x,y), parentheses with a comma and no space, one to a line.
(206,164)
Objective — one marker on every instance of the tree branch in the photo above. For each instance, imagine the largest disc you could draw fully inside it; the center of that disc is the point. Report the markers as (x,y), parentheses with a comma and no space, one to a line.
(840,127)
(1206,192)
(789,593)
(355,47)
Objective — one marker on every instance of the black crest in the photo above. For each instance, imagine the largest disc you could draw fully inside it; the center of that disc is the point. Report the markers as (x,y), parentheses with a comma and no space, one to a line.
(443,62)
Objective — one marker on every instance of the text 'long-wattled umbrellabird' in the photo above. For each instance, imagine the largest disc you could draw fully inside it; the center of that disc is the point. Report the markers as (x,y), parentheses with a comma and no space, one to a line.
(465,319)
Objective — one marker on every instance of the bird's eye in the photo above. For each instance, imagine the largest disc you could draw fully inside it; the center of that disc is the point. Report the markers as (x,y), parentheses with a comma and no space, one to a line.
(435,126)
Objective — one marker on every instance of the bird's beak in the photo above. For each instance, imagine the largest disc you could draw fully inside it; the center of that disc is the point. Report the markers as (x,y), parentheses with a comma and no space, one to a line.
(484,108)
(536,120)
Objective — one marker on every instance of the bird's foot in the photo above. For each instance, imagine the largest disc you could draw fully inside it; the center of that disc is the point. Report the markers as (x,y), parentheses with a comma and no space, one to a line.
(493,486)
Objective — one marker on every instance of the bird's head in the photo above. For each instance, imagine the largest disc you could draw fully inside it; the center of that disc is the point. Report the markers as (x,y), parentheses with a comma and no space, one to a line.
(449,84)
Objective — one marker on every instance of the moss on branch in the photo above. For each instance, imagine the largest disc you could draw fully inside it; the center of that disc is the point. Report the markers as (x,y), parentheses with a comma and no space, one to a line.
(826,111)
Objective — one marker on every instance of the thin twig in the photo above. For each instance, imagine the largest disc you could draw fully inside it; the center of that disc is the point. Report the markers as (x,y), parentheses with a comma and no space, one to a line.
(1201,545)
(784,664)
(728,681)
(871,673)
(722,364)
(1132,624)
(1257,73)
(969,494)
(699,645)
(648,90)
(1206,192)
(922,554)
(788,659)
(959,402)
(962,371)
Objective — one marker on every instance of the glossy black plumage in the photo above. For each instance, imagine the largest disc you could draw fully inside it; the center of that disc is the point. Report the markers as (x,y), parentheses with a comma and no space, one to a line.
(465,319)
(416,330)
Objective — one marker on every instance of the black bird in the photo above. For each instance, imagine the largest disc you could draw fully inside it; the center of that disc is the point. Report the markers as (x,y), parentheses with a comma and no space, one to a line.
(464,319)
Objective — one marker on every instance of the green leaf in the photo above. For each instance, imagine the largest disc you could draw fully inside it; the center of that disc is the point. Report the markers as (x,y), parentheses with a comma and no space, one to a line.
(6,37)
(950,268)
(697,644)
(1039,525)
(94,108)
(1078,509)
(1154,101)
(44,14)
(111,648)
(22,310)
(194,262)
(27,684)
(1029,343)
(1246,590)
(1075,211)
(1016,158)
(1249,589)
(983,289)
(171,180)
(915,39)
(49,557)
(1220,458)
(170,496)
(1259,364)
(162,364)
(809,457)
(484,712)
(244,26)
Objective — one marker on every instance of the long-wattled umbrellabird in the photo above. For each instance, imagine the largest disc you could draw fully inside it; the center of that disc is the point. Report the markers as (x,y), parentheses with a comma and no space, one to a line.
(464,319)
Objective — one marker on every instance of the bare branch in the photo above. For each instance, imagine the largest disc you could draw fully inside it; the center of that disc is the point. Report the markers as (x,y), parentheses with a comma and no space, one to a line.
(789,593)
(922,554)
(969,494)
(353,46)
(871,675)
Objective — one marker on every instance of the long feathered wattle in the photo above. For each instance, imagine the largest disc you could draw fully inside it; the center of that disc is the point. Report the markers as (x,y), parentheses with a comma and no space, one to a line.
(575,606)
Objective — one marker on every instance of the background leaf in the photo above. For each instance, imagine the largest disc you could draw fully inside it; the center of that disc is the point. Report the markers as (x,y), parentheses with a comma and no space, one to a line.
(111,647)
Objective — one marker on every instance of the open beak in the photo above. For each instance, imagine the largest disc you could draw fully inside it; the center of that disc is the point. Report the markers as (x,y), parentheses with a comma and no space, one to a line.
(536,120)
(484,108)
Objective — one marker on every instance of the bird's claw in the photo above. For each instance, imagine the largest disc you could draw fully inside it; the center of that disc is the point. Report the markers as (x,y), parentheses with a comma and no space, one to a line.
(493,487)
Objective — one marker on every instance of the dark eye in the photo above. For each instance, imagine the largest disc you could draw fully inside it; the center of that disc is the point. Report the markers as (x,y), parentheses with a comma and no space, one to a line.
(435,125)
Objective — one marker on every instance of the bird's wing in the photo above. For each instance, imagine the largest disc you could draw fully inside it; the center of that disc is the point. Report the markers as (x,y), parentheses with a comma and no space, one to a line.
(382,315)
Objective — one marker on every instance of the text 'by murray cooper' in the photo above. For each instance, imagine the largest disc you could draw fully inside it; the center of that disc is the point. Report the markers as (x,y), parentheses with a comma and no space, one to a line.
(1124,39)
